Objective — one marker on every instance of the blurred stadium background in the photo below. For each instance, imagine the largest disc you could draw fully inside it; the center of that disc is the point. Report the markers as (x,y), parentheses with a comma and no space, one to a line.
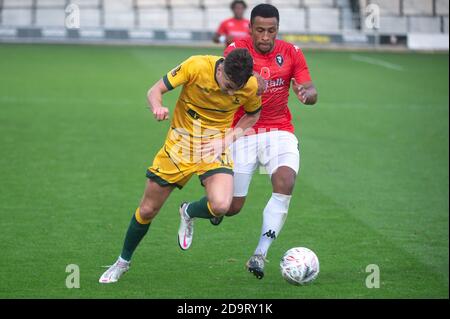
(405,23)
(76,138)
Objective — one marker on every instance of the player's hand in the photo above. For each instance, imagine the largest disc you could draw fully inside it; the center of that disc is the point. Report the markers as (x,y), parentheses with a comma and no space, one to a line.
(161,113)
(300,91)
(213,147)
(262,84)
(306,95)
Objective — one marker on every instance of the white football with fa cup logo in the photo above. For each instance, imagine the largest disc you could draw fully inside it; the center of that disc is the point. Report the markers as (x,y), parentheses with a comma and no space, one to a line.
(299,266)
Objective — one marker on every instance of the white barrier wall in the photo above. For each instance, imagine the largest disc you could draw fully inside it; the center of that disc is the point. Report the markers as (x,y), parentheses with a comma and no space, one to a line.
(424,41)
(310,21)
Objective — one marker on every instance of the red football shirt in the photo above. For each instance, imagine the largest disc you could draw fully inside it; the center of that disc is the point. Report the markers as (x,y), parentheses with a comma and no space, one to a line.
(278,67)
(237,29)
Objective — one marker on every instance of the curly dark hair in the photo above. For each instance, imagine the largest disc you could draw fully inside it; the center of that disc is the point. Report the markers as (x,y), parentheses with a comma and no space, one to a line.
(264,10)
(238,66)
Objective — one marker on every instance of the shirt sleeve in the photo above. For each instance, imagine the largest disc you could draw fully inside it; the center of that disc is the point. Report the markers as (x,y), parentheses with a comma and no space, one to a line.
(180,75)
(254,102)
(301,71)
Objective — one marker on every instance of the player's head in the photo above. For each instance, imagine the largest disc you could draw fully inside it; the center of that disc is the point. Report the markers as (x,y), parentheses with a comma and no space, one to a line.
(264,21)
(235,71)
(238,7)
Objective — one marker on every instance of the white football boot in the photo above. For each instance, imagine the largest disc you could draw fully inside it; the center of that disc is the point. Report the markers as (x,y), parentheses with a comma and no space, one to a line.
(186,230)
(115,271)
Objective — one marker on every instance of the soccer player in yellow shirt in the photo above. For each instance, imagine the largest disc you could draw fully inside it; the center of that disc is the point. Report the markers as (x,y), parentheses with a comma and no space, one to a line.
(197,143)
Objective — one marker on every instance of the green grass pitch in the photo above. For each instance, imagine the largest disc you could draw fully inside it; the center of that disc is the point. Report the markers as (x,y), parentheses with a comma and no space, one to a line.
(76,138)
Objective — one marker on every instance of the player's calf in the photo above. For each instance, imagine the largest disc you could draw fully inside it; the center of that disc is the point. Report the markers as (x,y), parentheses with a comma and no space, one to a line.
(283,180)
(236,206)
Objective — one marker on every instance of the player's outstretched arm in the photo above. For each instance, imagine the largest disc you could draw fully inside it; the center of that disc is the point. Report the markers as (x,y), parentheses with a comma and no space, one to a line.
(245,123)
(217,146)
(154,98)
(306,92)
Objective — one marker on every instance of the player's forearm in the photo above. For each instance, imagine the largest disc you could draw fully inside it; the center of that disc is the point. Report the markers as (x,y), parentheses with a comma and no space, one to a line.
(154,98)
(154,95)
(245,123)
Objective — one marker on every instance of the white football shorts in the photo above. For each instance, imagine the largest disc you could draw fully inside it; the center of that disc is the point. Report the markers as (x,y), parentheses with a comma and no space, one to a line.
(266,151)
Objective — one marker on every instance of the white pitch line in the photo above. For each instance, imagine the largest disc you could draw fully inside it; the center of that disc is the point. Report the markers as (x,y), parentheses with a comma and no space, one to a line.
(382,63)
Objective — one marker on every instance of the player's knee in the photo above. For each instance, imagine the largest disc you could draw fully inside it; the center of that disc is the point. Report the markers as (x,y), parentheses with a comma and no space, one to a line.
(220,206)
(148,211)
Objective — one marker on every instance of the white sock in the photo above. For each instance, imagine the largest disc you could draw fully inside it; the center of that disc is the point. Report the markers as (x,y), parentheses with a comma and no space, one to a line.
(274,216)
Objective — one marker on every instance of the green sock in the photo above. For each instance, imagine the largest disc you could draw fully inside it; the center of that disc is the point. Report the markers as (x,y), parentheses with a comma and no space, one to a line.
(199,209)
(136,231)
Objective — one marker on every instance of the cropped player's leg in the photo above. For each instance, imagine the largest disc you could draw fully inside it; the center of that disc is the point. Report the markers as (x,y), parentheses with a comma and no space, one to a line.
(152,201)
(274,216)
(276,210)
(219,193)
(236,206)
(241,184)
(219,190)
(244,152)
(154,197)
(283,168)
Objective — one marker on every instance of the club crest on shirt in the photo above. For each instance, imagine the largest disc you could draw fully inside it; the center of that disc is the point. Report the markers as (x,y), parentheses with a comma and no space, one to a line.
(279,60)
(175,71)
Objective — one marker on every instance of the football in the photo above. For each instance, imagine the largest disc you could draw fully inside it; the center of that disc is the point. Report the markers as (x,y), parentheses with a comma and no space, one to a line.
(299,266)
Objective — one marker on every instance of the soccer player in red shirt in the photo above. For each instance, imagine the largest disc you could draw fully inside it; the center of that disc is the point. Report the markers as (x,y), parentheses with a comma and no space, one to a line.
(233,28)
(272,144)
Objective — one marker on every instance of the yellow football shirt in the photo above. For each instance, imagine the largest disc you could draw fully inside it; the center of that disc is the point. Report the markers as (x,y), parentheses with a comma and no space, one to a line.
(202,109)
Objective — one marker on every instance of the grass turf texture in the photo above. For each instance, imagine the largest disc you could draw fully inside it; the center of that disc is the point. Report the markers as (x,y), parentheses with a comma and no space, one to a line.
(76,138)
